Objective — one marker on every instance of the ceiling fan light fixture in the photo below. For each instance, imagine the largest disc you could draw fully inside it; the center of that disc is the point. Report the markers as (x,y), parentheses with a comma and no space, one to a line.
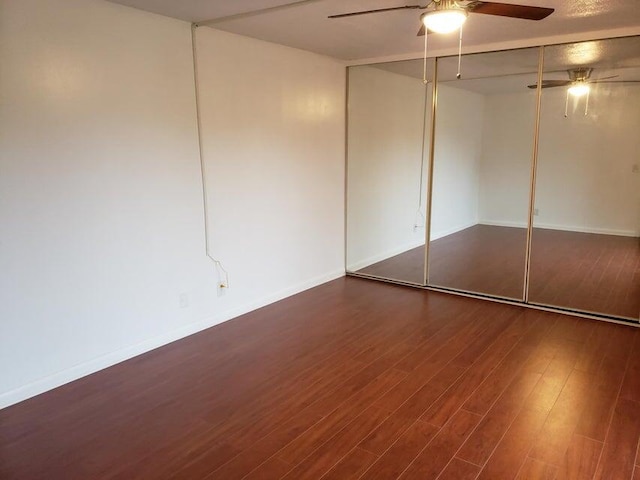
(444,20)
(579,89)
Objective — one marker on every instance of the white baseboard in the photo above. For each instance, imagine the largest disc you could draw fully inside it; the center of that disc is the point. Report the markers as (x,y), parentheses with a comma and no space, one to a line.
(353,267)
(564,228)
(451,231)
(277,296)
(87,368)
(500,223)
(601,231)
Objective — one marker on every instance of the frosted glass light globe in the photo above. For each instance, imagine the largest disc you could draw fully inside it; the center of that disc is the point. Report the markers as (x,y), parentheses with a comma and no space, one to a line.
(444,21)
(579,89)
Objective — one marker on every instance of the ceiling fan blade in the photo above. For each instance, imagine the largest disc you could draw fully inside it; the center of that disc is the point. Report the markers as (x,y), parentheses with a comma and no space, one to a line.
(605,78)
(552,83)
(509,10)
(379,10)
(615,81)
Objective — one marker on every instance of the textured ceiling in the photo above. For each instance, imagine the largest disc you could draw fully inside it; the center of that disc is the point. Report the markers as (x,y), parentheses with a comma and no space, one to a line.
(306,25)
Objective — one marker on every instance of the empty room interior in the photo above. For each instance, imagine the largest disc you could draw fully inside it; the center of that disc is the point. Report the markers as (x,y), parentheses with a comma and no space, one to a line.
(319,239)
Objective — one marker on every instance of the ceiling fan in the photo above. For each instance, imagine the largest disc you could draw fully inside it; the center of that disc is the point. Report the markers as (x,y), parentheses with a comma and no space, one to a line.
(447,16)
(579,81)
(579,85)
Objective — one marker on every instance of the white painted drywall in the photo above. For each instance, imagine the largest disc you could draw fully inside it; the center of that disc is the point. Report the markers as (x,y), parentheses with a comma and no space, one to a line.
(585,179)
(458,149)
(386,117)
(273,123)
(101,219)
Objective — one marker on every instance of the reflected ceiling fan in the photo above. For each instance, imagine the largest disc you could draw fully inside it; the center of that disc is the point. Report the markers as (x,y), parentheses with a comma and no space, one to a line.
(447,16)
(579,81)
(579,84)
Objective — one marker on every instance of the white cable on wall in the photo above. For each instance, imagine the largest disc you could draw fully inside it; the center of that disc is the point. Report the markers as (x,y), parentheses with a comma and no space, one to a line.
(223,275)
(420,218)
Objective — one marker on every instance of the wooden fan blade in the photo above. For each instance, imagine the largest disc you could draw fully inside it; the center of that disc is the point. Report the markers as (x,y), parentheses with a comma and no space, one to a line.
(366,12)
(605,78)
(552,83)
(509,10)
(615,81)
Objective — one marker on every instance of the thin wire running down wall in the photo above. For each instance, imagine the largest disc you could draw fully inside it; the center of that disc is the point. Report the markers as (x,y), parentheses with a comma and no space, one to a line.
(223,275)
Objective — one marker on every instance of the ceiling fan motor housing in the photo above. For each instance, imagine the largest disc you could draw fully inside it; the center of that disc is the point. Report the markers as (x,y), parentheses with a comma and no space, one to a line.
(579,74)
(447,5)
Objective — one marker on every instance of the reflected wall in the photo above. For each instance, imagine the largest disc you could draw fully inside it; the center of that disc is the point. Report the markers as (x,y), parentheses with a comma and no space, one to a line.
(386,173)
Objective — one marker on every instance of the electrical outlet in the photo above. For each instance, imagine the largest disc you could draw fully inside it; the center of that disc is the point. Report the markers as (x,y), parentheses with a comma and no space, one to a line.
(184,300)
(535,212)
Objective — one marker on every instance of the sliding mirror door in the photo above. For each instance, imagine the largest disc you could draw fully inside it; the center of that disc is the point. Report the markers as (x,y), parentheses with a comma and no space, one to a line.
(485,125)
(386,170)
(585,252)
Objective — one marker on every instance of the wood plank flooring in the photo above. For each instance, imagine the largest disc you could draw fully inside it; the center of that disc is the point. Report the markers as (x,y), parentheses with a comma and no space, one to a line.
(354,379)
(579,271)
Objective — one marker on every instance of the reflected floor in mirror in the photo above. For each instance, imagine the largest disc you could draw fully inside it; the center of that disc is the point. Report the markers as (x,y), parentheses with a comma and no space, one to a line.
(581,271)
(406,267)
(482,258)
(585,271)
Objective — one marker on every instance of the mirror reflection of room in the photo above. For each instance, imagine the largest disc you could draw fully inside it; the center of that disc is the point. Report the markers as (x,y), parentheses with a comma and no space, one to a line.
(585,246)
(484,134)
(386,171)
(585,252)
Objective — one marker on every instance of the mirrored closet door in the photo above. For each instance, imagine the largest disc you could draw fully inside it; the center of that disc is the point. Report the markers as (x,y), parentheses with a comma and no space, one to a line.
(585,252)
(541,209)
(484,134)
(386,170)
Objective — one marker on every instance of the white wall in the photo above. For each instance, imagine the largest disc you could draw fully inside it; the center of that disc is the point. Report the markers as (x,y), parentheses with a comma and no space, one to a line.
(385,145)
(101,223)
(458,149)
(585,180)
(274,141)
(505,166)
(386,117)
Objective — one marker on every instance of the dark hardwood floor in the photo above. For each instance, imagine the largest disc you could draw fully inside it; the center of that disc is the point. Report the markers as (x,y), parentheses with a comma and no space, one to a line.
(352,379)
(578,271)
